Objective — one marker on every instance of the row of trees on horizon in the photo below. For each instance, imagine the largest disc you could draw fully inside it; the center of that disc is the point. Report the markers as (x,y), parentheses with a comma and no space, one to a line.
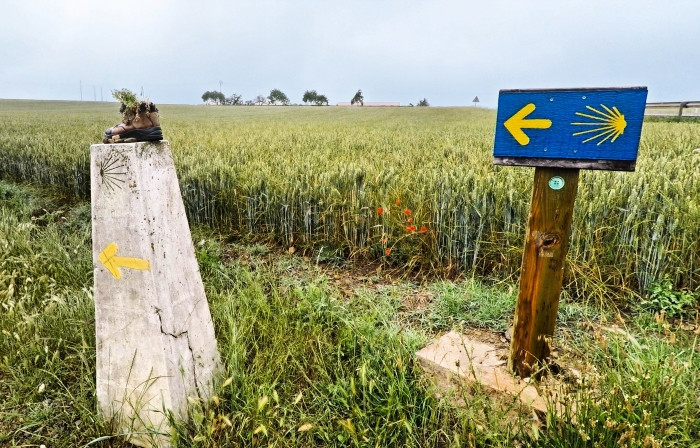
(279,98)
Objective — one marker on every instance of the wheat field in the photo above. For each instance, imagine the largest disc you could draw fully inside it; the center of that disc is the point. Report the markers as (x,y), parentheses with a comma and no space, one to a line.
(411,187)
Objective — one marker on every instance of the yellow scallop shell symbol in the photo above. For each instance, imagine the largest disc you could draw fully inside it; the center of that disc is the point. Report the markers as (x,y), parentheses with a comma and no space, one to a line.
(609,124)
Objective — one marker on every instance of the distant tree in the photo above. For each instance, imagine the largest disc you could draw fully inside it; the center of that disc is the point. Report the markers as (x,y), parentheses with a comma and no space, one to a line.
(260,100)
(216,97)
(310,96)
(358,98)
(321,100)
(249,103)
(423,103)
(278,97)
(234,100)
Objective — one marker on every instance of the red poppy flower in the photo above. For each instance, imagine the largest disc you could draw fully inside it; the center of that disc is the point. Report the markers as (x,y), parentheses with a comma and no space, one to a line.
(411,229)
(398,202)
(388,251)
(407,212)
(423,229)
(383,240)
(410,220)
(380,211)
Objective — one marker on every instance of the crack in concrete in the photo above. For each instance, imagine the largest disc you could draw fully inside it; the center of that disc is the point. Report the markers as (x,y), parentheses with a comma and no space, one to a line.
(194,369)
(160,319)
(189,347)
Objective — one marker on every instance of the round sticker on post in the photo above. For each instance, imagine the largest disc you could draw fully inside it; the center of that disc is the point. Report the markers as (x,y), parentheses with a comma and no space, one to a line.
(556,183)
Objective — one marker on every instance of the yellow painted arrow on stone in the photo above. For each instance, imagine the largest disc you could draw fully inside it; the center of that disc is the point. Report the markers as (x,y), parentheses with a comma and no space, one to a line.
(109,259)
(517,123)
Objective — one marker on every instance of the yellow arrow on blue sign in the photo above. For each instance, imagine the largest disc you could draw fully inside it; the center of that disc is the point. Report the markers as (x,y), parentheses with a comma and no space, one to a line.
(517,123)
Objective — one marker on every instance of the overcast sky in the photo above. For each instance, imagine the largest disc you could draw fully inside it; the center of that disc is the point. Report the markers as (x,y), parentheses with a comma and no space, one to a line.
(447,51)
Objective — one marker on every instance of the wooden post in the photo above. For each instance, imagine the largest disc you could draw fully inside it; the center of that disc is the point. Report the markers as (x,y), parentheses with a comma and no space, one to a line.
(559,131)
(546,245)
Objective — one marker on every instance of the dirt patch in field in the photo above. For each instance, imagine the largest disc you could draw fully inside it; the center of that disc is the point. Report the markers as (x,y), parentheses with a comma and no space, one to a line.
(417,301)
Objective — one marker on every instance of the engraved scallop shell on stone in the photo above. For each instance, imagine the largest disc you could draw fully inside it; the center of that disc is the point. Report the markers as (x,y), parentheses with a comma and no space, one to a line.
(113,172)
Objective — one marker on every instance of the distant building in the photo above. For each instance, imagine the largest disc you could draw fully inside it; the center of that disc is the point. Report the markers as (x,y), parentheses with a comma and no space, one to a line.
(368,104)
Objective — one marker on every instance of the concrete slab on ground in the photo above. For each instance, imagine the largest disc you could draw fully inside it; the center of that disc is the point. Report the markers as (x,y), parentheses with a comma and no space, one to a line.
(456,355)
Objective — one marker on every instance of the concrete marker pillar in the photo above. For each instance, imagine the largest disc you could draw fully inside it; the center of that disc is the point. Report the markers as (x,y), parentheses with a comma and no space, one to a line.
(154,333)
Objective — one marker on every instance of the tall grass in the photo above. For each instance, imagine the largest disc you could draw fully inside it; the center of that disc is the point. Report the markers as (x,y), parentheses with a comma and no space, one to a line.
(306,365)
(351,179)
(47,336)
(304,368)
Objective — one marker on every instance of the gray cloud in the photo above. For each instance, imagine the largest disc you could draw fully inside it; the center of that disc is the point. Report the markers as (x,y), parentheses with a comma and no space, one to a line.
(445,50)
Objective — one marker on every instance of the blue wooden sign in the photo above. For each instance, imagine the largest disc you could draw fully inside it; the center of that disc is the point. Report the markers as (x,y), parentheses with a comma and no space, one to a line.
(570,128)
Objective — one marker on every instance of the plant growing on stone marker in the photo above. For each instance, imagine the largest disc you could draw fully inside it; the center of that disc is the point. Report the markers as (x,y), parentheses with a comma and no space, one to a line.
(140,120)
